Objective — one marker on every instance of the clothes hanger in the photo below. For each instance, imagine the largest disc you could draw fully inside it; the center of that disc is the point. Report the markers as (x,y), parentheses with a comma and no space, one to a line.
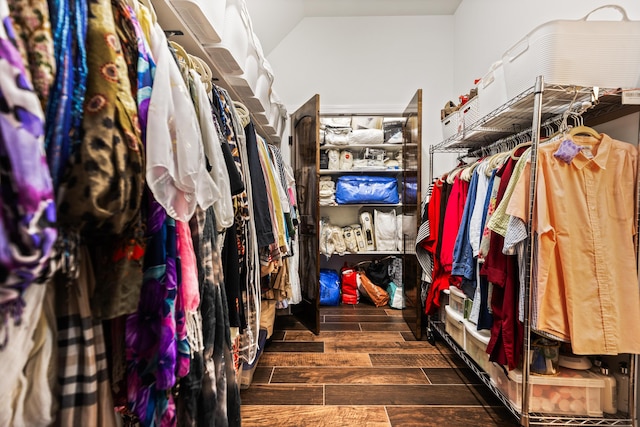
(467,172)
(498,160)
(580,129)
(182,54)
(585,130)
(452,175)
(243,113)
(202,68)
(517,147)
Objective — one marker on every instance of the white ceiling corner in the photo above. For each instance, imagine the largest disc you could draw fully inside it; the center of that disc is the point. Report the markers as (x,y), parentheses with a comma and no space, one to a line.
(380,7)
(273,19)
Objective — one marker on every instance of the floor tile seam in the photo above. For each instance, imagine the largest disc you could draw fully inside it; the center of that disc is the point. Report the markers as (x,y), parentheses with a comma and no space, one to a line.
(353,384)
(444,405)
(412,385)
(386,413)
(398,405)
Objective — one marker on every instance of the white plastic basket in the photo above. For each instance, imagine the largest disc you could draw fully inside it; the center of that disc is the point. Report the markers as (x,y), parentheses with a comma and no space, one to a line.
(451,124)
(492,90)
(576,52)
(470,112)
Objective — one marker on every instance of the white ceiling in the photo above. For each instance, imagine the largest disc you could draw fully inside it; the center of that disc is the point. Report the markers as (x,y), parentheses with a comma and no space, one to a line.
(379,7)
(274,19)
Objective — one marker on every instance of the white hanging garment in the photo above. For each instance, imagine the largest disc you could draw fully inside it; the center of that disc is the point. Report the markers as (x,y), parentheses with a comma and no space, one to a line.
(175,170)
(223,206)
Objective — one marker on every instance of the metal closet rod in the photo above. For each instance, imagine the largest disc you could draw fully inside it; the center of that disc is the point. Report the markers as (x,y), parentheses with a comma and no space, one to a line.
(503,143)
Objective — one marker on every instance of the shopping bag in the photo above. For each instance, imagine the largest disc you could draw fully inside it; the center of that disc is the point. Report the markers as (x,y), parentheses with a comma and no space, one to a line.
(378,296)
(329,287)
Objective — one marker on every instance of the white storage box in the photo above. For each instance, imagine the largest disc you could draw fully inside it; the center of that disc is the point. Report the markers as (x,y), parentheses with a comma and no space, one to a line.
(492,90)
(571,392)
(470,113)
(245,84)
(456,300)
(454,326)
(230,54)
(444,301)
(451,125)
(582,52)
(476,345)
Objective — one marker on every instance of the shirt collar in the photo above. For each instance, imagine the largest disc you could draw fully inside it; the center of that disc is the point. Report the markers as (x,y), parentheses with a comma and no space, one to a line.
(600,159)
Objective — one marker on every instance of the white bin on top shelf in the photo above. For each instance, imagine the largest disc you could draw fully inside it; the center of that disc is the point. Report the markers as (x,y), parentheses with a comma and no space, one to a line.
(263,90)
(249,84)
(205,18)
(581,52)
(230,54)
(492,90)
(262,117)
(279,120)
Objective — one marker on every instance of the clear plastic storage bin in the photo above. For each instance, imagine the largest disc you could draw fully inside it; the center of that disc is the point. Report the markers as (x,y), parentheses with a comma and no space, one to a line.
(454,326)
(571,392)
(456,300)
(476,345)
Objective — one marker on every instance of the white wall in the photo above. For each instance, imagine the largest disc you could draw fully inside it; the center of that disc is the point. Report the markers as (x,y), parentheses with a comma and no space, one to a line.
(368,64)
(376,63)
(274,19)
(485,29)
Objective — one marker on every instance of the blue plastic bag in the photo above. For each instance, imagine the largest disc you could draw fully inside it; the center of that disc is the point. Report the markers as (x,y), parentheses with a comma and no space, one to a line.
(366,189)
(411,190)
(329,287)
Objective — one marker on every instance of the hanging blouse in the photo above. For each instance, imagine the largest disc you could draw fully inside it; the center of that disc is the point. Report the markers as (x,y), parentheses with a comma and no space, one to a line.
(215,158)
(27,209)
(176,172)
(585,225)
(260,200)
(277,194)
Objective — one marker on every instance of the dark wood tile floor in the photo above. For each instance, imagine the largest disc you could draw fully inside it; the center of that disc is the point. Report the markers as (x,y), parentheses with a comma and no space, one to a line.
(364,369)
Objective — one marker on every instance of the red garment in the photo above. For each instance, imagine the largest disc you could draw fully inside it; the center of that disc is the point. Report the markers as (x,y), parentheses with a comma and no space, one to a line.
(430,244)
(505,345)
(449,225)
(433,216)
(452,220)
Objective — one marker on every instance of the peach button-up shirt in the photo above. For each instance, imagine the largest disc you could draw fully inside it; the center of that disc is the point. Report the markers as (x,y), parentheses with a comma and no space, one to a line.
(584,219)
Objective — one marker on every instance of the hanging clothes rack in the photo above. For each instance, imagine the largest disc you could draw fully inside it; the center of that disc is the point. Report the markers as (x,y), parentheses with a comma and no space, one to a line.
(553,108)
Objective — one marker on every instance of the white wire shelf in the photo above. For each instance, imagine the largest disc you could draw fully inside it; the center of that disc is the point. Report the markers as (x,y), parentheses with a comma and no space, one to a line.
(515,116)
(357,205)
(386,146)
(358,171)
(369,253)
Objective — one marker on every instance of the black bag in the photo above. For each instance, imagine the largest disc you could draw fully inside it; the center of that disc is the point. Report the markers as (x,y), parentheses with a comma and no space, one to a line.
(378,272)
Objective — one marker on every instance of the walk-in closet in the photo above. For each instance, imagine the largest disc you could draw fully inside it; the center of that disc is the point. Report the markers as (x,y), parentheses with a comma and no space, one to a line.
(224,213)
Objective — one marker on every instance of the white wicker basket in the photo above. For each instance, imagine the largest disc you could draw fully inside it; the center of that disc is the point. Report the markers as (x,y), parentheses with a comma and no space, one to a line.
(580,52)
